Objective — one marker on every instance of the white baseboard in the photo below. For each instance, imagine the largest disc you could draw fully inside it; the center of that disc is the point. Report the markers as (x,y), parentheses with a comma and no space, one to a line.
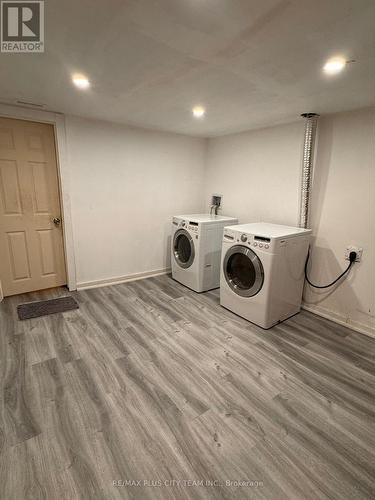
(85,285)
(340,320)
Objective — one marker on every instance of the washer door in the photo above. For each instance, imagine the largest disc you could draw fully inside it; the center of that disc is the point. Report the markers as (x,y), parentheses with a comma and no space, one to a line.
(243,271)
(183,248)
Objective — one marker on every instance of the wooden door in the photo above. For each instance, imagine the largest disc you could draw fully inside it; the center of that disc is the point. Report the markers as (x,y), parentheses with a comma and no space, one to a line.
(31,241)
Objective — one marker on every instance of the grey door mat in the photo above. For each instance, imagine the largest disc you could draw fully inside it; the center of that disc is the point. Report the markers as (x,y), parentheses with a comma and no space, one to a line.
(45,307)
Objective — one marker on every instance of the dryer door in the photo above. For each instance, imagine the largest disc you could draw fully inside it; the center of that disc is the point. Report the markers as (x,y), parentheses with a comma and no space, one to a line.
(243,271)
(183,248)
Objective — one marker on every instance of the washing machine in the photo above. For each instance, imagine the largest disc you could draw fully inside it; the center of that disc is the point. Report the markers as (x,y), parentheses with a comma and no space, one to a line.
(196,249)
(262,271)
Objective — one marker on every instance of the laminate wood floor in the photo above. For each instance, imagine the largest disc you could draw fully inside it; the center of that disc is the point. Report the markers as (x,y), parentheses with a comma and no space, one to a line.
(150,391)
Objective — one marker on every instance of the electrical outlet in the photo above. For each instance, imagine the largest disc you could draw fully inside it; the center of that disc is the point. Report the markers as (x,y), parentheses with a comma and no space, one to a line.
(357,250)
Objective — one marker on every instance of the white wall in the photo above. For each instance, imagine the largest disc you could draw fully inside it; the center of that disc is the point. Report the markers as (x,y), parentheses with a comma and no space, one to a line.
(125,185)
(343,213)
(258,173)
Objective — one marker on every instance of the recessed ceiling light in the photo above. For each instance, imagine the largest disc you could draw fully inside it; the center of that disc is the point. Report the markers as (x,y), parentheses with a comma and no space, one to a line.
(334,65)
(81,81)
(199,111)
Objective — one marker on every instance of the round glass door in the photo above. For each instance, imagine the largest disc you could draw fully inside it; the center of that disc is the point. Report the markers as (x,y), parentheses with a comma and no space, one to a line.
(243,271)
(183,248)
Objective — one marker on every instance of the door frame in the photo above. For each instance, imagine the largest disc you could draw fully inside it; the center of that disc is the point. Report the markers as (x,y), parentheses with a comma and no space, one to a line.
(57,120)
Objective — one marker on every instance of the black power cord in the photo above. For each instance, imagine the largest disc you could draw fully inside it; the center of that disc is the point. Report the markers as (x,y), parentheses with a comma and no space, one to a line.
(352,257)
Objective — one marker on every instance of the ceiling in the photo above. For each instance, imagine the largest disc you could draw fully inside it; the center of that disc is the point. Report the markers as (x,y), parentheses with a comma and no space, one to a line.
(251,63)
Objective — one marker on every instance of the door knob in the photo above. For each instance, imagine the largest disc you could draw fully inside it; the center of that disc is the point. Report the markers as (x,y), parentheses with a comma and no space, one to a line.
(56,221)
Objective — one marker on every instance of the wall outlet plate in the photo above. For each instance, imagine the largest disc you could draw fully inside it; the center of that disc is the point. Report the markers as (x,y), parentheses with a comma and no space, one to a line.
(358,251)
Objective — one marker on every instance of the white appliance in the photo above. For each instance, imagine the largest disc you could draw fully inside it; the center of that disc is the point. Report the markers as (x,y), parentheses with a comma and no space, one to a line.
(262,271)
(196,249)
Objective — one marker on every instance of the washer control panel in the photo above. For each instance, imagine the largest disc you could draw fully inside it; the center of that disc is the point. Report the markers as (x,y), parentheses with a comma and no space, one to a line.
(260,242)
(251,240)
(260,245)
(193,226)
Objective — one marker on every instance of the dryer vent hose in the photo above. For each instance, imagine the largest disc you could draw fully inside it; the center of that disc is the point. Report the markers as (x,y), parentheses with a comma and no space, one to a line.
(307,167)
